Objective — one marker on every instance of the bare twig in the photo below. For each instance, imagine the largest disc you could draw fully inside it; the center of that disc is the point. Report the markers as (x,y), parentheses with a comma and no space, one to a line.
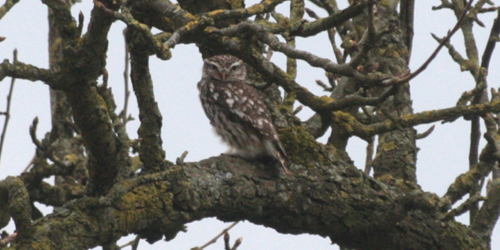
(123,114)
(407,77)
(81,19)
(331,36)
(237,243)
(426,133)
(6,7)
(180,160)
(134,243)
(47,152)
(337,18)
(455,55)
(493,39)
(30,164)
(226,241)
(298,109)
(464,207)
(212,241)
(7,110)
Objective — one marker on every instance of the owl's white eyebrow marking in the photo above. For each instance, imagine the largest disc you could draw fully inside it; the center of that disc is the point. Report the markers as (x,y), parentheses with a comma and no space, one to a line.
(212,63)
(238,63)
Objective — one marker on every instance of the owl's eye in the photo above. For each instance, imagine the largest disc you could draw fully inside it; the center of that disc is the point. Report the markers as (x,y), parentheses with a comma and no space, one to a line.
(235,68)
(213,67)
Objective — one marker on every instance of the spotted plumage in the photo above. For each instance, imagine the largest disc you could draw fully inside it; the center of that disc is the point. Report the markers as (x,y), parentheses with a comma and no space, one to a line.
(236,111)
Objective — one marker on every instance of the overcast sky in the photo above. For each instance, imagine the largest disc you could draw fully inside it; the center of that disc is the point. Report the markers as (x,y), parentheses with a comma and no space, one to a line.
(442,156)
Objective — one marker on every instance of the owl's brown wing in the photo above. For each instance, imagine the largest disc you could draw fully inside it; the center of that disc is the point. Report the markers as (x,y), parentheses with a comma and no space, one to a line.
(245,106)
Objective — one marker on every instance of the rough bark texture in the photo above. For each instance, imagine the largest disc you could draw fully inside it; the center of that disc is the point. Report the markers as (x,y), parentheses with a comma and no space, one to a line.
(333,201)
(101,199)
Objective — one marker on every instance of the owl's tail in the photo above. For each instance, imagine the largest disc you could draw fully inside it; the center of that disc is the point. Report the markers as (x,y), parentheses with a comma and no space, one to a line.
(276,150)
(283,159)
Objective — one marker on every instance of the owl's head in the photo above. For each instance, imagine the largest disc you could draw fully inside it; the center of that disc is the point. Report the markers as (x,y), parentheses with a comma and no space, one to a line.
(224,68)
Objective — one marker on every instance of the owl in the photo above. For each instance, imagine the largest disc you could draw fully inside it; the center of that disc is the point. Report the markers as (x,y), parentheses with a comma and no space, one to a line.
(236,111)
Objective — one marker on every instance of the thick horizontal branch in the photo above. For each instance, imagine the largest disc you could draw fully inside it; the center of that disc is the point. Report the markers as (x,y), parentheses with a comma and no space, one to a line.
(325,201)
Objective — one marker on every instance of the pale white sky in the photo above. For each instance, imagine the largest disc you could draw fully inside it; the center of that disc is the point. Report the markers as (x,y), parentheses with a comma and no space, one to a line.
(442,156)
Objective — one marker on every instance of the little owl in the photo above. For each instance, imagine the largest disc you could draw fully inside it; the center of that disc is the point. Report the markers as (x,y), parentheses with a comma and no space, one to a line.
(236,111)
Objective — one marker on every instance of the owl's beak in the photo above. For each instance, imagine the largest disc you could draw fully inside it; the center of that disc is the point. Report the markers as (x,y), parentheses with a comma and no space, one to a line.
(223,76)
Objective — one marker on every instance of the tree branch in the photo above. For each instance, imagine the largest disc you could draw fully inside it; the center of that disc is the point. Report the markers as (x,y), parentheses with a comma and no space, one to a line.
(406,16)
(18,206)
(493,39)
(29,72)
(322,24)
(406,121)
(7,109)
(487,216)
(464,183)
(151,152)
(6,7)
(162,50)
(408,77)
(160,204)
